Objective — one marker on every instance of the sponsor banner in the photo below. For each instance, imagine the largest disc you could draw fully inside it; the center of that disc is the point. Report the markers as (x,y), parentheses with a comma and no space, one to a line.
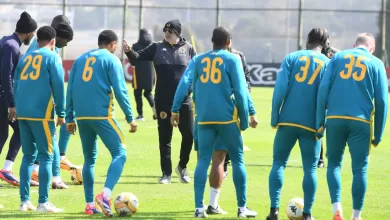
(262,74)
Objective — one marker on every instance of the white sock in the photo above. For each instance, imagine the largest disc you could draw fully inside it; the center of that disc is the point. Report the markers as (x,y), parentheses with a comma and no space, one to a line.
(337,206)
(107,192)
(62,157)
(57,179)
(35,168)
(214,195)
(356,214)
(43,203)
(26,202)
(91,204)
(8,165)
(242,209)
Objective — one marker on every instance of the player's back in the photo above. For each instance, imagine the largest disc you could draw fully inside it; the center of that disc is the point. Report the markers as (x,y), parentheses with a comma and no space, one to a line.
(305,68)
(33,95)
(91,88)
(354,75)
(213,87)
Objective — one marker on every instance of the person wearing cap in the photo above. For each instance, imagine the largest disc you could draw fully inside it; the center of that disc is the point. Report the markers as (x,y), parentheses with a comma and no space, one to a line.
(9,57)
(64,34)
(170,56)
(143,76)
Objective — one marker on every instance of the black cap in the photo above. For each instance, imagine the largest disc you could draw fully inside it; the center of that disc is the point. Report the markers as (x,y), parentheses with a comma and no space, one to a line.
(26,24)
(106,37)
(59,19)
(175,25)
(64,30)
(221,36)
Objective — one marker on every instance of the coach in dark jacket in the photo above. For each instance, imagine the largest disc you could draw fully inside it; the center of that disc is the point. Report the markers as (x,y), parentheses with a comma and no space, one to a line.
(143,75)
(170,57)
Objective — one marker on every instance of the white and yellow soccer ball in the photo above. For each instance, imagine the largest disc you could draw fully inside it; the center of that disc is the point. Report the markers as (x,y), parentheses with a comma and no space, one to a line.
(76,176)
(294,209)
(126,204)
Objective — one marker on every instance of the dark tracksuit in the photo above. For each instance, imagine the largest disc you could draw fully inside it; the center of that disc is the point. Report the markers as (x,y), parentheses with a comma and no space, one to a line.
(248,81)
(170,61)
(9,57)
(143,75)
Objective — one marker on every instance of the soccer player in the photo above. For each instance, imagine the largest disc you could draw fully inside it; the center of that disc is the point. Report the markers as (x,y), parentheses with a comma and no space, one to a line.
(9,58)
(295,119)
(217,75)
(353,85)
(64,34)
(217,172)
(39,78)
(170,57)
(93,77)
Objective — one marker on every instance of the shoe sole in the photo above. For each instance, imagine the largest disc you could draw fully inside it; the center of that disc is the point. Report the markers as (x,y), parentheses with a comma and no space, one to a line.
(180,178)
(2,177)
(101,205)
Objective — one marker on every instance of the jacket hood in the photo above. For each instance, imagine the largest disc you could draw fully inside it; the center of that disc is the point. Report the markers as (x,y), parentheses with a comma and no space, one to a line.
(144,37)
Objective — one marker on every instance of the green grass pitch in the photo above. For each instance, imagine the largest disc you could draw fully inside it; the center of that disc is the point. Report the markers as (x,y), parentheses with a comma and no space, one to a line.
(176,200)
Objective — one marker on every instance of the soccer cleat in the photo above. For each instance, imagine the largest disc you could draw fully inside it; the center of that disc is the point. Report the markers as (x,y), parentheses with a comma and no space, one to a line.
(48,207)
(59,185)
(165,179)
(307,216)
(247,213)
(273,214)
(35,176)
(200,213)
(105,204)
(91,210)
(65,164)
(27,206)
(338,215)
(215,211)
(183,174)
(320,164)
(9,177)
(140,118)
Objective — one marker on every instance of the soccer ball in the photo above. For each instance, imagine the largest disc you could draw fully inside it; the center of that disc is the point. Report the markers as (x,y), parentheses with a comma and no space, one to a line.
(126,204)
(76,176)
(294,209)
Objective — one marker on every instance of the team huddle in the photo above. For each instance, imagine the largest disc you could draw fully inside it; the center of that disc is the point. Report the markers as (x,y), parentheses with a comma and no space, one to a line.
(343,95)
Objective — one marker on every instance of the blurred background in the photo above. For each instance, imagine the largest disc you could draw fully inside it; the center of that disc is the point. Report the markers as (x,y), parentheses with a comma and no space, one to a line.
(264,30)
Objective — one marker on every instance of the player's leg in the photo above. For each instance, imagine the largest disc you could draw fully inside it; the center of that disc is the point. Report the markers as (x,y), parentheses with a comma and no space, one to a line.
(63,142)
(29,155)
(231,135)
(111,135)
(148,95)
(14,146)
(206,138)
(285,139)
(164,137)
(138,102)
(43,132)
(336,138)
(321,162)
(3,122)
(359,144)
(88,138)
(186,127)
(310,149)
(225,165)
(57,182)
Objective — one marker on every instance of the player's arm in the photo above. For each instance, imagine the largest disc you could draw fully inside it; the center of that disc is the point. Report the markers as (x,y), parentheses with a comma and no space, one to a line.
(280,90)
(182,88)
(146,54)
(58,85)
(240,91)
(381,104)
(246,70)
(322,97)
(251,105)
(7,64)
(70,114)
(118,84)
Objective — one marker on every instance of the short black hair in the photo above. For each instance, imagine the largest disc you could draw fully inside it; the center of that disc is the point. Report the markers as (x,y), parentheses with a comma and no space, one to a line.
(318,36)
(46,33)
(221,36)
(106,37)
